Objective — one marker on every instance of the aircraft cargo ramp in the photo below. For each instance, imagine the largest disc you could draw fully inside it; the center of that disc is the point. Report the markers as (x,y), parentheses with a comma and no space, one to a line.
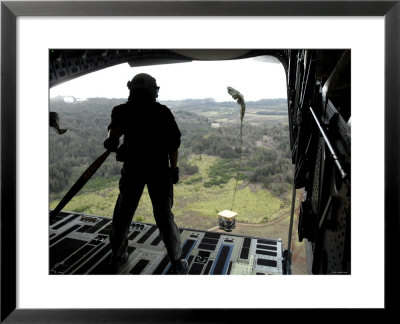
(79,244)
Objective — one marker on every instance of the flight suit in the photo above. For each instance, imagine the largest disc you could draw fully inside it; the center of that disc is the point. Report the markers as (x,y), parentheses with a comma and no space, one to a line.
(150,133)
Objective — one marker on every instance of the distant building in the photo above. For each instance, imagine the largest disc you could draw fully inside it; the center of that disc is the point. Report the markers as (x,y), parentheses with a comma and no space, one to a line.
(215,125)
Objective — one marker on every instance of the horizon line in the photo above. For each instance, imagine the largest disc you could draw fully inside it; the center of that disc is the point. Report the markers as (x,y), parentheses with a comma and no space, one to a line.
(164,100)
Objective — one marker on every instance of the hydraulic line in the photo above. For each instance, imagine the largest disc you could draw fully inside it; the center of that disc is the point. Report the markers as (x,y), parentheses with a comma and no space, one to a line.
(288,258)
(291,221)
(328,143)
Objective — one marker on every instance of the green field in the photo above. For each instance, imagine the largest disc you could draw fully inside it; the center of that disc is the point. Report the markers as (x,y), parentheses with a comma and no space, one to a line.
(263,206)
(195,204)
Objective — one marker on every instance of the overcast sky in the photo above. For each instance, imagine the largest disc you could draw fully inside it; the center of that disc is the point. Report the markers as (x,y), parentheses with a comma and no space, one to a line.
(255,79)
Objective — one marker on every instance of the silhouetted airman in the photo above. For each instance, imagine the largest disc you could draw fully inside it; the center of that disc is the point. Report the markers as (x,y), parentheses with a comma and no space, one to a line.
(151,139)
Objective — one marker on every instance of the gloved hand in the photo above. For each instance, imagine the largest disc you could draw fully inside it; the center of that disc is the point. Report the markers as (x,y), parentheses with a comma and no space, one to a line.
(122,153)
(111,144)
(174,174)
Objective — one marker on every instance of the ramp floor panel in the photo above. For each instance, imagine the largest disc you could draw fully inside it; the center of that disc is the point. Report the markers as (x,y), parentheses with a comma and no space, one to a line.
(79,244)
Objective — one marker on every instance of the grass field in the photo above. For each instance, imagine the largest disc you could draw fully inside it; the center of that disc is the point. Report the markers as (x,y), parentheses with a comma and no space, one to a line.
(195,205)
(260,214)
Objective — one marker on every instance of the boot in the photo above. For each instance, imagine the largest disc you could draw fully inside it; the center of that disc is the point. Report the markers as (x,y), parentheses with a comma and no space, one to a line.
(117,262)
(179,266)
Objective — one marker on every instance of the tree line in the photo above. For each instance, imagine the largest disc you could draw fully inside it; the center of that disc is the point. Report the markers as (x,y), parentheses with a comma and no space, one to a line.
(265,150)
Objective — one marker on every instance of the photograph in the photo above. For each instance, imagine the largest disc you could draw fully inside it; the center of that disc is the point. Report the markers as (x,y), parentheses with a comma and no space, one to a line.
(200,161)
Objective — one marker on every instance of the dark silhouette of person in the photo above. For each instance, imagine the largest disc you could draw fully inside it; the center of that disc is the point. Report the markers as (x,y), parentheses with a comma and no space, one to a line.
(149,153)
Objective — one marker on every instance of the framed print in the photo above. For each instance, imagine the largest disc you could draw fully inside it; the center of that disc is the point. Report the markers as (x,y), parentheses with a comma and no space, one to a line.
(185,24)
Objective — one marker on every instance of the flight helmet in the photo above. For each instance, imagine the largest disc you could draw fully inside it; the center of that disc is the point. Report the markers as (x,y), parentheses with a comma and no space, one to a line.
(143,81)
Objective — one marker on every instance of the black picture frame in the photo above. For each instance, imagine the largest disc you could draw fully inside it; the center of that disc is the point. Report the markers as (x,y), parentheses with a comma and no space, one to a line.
(10,10)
